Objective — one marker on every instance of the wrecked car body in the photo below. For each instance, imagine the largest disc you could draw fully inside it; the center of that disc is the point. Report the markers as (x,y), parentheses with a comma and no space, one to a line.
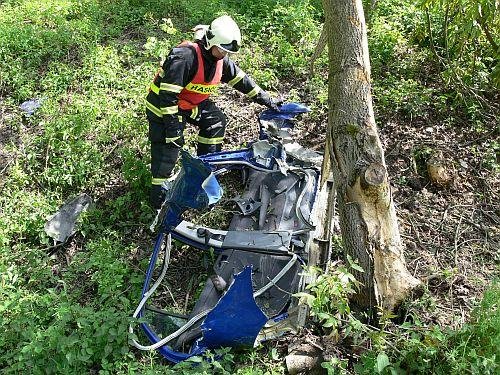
(259,257)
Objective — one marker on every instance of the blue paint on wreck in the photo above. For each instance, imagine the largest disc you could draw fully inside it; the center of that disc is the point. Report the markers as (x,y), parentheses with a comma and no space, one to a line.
(236,319)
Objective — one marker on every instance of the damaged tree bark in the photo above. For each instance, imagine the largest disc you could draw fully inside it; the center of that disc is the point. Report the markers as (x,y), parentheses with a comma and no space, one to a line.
(367,216)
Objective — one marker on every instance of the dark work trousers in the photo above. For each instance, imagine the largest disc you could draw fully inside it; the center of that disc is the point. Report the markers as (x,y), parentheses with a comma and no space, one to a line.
(211,123)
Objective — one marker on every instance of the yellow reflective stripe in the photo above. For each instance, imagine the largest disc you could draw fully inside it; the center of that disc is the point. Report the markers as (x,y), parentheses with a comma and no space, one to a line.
(236,79)
(154,88)
(210,141)
(153,109)
(157,181)
(172,110)
(194,112)
(170,87)
(170,140)
(253,92)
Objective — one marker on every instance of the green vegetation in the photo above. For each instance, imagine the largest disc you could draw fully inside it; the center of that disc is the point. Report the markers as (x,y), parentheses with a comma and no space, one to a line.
(66,309)
(411,347)
(422,349)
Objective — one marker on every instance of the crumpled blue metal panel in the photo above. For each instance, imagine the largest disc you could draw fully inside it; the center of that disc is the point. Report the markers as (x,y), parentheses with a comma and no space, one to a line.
(281,119)
(286,112)
(236,319)
(196,186)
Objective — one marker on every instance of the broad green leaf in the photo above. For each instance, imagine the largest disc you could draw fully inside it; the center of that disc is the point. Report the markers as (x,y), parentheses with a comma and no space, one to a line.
(382,362)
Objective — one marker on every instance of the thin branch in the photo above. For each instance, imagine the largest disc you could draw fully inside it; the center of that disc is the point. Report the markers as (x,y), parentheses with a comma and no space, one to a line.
(318,50)
(457,235)
(487,33)
(431,37)
(446,22)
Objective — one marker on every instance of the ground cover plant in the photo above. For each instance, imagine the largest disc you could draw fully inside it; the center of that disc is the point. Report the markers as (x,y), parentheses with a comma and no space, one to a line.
(65,308)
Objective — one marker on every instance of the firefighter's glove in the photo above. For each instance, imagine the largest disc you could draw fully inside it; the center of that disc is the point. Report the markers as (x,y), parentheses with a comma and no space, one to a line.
(263,98)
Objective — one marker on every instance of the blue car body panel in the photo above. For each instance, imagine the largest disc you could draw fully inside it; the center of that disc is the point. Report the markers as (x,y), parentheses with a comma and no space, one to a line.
(236,319)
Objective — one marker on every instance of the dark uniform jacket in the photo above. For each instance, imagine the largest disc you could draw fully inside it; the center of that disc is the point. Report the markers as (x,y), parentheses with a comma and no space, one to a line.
(179,69)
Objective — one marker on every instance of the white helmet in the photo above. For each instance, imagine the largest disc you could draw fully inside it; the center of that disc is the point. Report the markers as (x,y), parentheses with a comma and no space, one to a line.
(224,33)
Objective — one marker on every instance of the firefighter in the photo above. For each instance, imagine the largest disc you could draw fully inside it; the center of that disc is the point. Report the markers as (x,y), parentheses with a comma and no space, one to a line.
(180,93)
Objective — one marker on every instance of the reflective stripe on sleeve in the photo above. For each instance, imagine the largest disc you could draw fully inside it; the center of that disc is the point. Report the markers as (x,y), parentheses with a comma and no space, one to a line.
(194,113)
(171,88)
(157,181)
(236,79)
(253,92)
(154,88)
(210,141)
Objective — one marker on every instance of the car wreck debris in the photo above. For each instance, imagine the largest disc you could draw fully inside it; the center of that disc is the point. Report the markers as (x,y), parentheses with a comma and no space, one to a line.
(249,298)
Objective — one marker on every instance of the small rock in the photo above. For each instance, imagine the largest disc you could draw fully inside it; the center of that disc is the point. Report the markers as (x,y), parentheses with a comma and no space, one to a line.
(305,359)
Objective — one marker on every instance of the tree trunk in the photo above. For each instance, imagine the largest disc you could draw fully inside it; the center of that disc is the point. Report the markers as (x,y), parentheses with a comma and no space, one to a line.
(367,216)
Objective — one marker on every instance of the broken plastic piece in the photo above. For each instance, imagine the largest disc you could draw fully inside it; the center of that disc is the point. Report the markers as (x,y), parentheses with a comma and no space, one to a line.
(236,319)
(30,106)
(264,240)
(286,112)
(303,154)
(277,124)
(247,206)
(195,186)
(61,225)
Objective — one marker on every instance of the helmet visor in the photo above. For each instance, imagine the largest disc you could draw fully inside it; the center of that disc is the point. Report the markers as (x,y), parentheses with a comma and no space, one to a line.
(232,47)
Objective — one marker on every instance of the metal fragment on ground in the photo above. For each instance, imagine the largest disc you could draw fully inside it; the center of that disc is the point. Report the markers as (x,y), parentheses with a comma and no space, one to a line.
(62,224)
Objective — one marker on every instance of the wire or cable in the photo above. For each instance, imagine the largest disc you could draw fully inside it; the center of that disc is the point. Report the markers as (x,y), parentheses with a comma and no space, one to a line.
(277,277)
(192,321)
(246,163)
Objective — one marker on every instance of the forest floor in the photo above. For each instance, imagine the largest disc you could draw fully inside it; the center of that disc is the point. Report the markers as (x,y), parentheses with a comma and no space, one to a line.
(451,232)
